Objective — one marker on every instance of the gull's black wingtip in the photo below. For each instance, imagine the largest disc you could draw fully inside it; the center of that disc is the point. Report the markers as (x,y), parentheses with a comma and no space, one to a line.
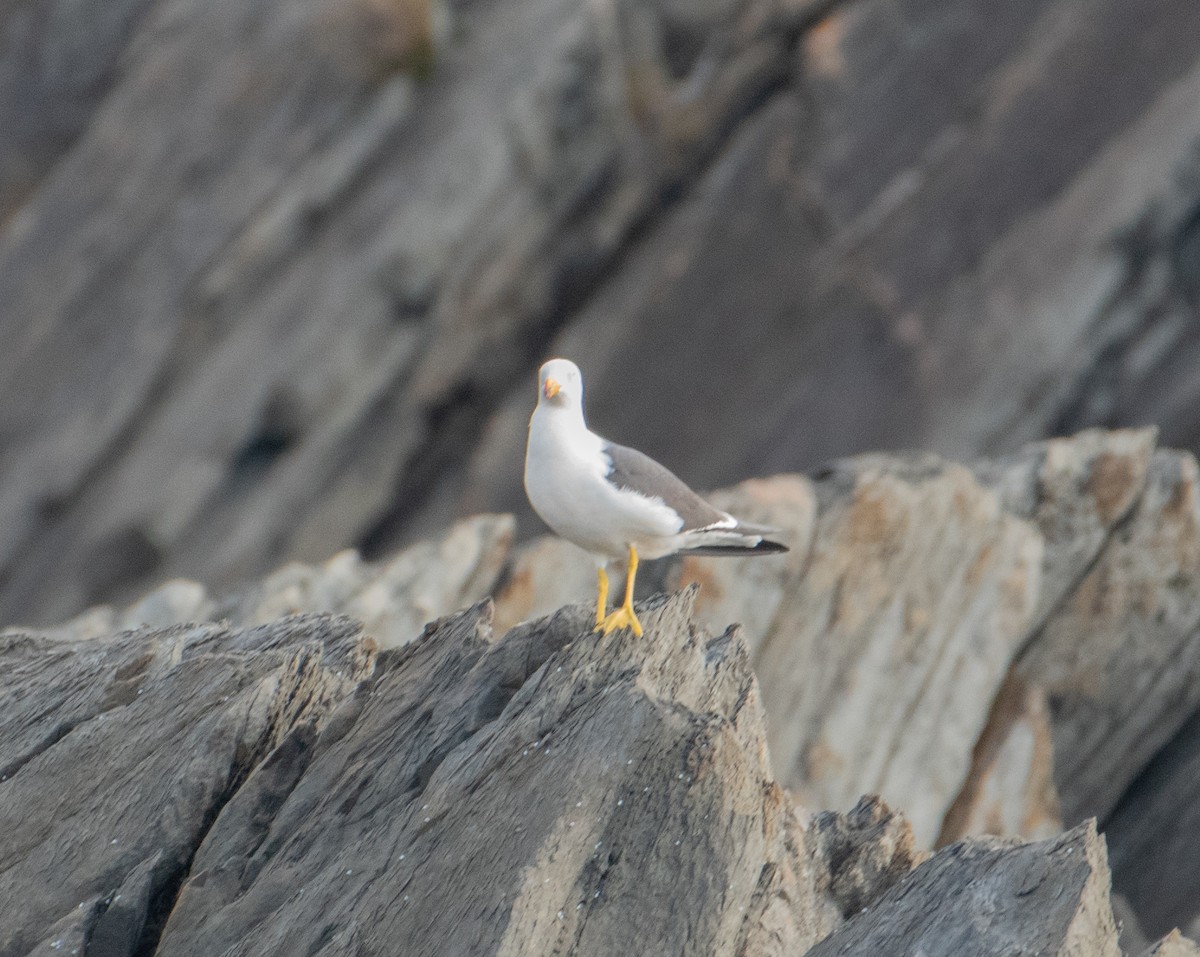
(764,547)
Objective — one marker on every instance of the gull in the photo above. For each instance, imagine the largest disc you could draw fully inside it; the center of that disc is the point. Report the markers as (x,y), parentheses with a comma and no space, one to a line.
(614,502)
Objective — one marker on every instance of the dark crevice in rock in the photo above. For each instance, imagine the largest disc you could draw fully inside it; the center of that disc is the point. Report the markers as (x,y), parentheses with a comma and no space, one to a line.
(163,898)
(41,748)
(287,744)
(278,431)
(169,886)
(58,734)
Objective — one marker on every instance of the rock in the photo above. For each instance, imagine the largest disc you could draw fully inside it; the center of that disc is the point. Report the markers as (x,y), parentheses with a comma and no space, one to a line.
(606,769)
(887,652)
(542,791)
(544,575)
(1076,490)
(1152,831)
(181,718)
(1116,655)
(1009,788)
(393,599)
(612,776)
(864,852)
(993,897)
(1173,945)
(938,633)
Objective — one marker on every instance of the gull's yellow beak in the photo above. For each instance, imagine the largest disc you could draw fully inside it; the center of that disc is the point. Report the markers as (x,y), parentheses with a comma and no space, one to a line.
(550,388)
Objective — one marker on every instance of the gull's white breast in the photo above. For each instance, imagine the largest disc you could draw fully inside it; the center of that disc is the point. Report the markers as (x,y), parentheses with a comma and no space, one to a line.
(565,469)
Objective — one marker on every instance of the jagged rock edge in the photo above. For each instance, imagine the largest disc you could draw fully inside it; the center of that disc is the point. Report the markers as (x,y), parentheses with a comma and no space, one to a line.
(165,890)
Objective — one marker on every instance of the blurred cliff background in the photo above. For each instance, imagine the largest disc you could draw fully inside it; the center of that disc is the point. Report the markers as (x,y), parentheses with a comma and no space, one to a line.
(275,274)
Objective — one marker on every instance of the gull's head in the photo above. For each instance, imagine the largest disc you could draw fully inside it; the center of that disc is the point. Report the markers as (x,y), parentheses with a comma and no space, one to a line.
(560,384)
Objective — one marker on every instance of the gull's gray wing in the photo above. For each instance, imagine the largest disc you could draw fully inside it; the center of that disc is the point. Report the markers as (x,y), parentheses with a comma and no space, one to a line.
(639,473)
(708,530)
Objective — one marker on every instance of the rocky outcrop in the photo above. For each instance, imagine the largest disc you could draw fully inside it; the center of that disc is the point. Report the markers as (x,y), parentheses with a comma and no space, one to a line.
(290,788)
(990,897)
(948,637)
(275,277)
(118,753)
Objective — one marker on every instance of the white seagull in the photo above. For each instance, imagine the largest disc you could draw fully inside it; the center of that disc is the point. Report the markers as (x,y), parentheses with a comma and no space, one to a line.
(611,500)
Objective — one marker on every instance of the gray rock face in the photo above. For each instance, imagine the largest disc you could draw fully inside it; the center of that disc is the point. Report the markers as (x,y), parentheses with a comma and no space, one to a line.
(989,897)
(511,815)
(117,754)
(274,276)
(291,789)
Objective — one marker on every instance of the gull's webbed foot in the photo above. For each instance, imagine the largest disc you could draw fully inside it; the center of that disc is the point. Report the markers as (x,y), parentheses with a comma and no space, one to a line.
(622,617)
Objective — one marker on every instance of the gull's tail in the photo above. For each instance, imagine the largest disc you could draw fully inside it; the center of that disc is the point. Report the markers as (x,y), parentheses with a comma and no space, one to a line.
(732,538)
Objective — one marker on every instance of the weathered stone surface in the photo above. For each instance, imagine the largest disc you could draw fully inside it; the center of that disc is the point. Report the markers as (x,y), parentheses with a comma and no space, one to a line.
(1118,656)
(602,791)
(916,594)
(393,599)
(1153,836)
(1077,490)
(290,789)
(1010,787)
(1173,945)
(864,852)
(546,574)
(992,897)
(936,633)
(603,794)
(116,754)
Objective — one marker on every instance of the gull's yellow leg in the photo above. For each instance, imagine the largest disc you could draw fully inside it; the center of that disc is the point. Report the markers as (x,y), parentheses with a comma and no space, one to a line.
(630,575)
(624,617)
(601,595)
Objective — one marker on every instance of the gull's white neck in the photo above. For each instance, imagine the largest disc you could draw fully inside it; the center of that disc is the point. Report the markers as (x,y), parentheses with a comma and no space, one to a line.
(564,428)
